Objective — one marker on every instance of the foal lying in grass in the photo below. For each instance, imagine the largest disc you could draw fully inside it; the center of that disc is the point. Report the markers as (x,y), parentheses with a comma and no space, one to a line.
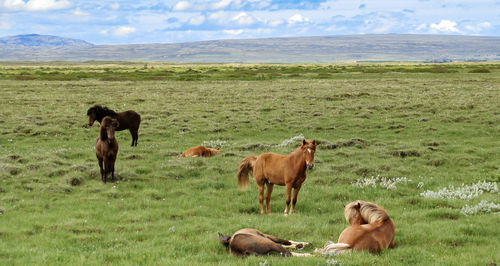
(250,241)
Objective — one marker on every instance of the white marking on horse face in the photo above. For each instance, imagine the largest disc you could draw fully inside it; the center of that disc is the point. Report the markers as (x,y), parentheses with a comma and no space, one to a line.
(309,150)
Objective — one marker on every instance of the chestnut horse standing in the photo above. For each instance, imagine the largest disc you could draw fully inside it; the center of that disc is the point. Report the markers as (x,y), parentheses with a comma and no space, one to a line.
(250,241)
(106,147)
(371,230)
(128,120)
(274,169)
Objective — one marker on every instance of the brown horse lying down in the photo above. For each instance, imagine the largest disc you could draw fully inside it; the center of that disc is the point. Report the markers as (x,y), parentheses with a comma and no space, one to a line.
(106,147)
(371,230)
(274,169)
(200,151)
(250,241)
(128,120)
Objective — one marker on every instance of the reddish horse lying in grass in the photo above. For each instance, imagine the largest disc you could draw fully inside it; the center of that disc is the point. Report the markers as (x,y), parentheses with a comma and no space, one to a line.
(200,151)
(106,147)
(253,242)
(274,169)
(128,120)
(371,230)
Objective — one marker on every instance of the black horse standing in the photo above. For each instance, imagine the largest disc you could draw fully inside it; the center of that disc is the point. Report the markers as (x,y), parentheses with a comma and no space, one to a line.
(128,120)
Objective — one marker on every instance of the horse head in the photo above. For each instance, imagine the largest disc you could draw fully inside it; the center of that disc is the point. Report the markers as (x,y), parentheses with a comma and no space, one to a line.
(353,213)
(224,240)
(110,124)
(92,114)
(308,148)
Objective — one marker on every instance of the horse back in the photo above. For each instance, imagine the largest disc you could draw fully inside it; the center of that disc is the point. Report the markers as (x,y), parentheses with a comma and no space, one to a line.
(128,119)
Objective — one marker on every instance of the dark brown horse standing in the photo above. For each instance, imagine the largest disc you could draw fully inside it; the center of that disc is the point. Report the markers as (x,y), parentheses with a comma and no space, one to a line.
(128,120)
(274,169)
(250,241)
(106,147)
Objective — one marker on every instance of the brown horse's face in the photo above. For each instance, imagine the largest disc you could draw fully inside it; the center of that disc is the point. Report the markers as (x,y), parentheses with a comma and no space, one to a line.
(309,148)
(110,124)
(92,117)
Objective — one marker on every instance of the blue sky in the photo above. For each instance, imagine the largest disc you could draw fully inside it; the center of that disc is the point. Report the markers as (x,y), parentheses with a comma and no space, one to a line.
(122,22)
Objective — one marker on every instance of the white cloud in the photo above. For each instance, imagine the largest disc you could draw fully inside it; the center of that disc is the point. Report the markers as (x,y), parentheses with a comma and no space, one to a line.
(103,32)
(78,12)
(114,6)
(243,19)
(182,5)
(445,26)
(298,18)
(123,31)
(197,20)
(34,5)
(422,27)
(217,16)
(5,25)
(275,22)
(221,4)
(479,27)
(233,32)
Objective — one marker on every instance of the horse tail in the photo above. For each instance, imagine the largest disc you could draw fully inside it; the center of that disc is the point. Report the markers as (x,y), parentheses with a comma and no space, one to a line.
(246,166)
(334,248)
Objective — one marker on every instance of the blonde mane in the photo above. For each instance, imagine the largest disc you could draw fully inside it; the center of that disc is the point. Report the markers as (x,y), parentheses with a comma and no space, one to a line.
(370,212)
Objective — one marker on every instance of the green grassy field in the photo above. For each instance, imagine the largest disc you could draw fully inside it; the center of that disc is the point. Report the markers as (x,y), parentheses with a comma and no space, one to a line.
(428,126)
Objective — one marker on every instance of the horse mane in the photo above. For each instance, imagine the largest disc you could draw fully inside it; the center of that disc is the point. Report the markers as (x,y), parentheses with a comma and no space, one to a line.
(370,212)
(101,111)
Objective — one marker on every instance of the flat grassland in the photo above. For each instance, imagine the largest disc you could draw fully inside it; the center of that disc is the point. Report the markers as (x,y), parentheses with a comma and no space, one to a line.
(389,133)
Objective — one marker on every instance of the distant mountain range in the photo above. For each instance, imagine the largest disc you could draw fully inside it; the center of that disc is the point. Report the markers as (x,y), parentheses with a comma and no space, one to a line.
(35,40)
(320,49)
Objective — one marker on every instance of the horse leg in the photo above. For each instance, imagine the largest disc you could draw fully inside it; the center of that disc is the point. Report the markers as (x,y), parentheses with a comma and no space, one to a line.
(278,240)
(113,170)
(102,169)
(261,198)
(279,248)
(294,201)
(268,197)
(288,191)
(132,133)
(107,169)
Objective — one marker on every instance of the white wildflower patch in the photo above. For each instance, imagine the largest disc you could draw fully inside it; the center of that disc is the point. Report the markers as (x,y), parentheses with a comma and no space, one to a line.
(332,262)
(465,192)
(420,185)
(383,182)
(290,141)
(482,207)
(263,263)
(214,144)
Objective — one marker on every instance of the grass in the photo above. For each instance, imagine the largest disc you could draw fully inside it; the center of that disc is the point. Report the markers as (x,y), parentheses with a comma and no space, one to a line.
(436,125)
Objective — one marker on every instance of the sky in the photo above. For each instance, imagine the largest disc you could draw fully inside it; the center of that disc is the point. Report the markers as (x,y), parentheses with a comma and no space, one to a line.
(151,21)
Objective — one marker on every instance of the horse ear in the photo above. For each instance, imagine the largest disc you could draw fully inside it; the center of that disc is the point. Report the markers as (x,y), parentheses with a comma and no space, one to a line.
(314,142)
(358,206)
(304,142)
(224,239)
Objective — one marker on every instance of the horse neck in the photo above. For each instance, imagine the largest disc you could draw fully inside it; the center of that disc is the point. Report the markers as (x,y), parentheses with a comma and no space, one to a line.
(103,113)
(103,133)
(298,158)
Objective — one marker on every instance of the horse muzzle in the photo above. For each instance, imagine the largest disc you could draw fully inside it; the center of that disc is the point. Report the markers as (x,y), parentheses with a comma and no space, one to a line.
(309,166)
